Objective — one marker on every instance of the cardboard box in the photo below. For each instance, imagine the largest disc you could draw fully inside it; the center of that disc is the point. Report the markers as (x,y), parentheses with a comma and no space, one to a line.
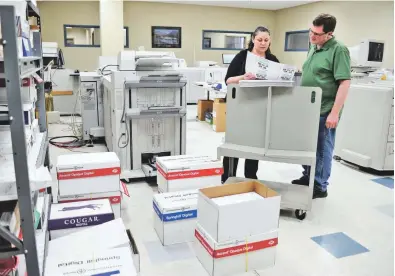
(108,235)
(186,172)
(135,251)
(66,218)
(235,256)
(88,173)
(219,117)
(203,107)
(175,216)
(109,262)
(113,197)
(238,219)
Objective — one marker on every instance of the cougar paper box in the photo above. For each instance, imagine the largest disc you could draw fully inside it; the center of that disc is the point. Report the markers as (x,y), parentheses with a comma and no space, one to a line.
(225,216)
(113,197)
(88,173)
(175,216)
(66,218)
(235,256)
(110,262)
(108,235)
(185,172)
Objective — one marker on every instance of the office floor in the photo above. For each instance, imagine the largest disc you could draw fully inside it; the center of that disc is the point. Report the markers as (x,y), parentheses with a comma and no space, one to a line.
(349,233)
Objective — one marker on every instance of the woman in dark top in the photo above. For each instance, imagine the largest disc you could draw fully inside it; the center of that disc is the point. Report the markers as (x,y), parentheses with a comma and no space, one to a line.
(260,46)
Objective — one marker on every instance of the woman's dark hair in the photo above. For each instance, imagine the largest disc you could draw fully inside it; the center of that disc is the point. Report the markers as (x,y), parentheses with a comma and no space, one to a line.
(258,30)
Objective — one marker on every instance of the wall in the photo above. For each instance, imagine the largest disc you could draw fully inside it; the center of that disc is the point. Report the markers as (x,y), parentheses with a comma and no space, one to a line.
(357,20)
(140,16)
(57,13)
(80,35)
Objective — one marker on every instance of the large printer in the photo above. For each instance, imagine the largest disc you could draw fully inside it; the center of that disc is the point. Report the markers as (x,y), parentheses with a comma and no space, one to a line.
(144,111)
(365,135)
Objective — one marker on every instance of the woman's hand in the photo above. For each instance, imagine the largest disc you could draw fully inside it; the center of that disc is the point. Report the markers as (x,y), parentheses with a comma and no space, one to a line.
(249,76)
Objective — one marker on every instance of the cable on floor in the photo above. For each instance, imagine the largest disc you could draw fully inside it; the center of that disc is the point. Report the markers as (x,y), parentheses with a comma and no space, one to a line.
(75,142)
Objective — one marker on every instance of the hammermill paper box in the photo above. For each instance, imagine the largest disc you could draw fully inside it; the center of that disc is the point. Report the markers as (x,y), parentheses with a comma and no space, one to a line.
(235,256)
(236,211)
(66,218)
(88,173)
(108,262)
(185,172)
(175,216)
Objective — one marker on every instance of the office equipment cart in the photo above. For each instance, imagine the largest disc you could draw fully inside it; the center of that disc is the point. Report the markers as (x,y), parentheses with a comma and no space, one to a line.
(22,165)
(276,122)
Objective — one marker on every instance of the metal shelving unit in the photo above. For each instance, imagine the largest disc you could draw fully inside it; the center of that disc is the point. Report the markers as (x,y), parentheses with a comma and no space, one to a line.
(15,70)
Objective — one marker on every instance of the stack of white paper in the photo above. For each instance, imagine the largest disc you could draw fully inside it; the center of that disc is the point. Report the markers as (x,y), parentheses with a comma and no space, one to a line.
(264,69)
(239,198)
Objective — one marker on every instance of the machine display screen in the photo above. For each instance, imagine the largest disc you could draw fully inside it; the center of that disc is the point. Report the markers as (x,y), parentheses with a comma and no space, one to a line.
(376,51)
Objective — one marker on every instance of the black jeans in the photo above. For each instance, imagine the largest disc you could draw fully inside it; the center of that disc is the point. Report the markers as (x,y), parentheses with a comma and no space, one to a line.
(250,168)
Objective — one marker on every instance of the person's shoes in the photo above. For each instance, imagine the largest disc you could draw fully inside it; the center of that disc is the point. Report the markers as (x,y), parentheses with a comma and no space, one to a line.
(318,193)
(304,180)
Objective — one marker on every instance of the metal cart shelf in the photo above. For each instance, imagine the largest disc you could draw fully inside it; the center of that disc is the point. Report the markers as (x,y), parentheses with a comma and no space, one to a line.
(260,125)
(15,69)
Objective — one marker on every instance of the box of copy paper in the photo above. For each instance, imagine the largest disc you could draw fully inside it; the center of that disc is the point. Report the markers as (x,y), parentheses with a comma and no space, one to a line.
(175,216)
(105,262)
(235,256)
(111,234)
(185,172)
(66,218)
(88,173)
(235,211)
(115,198)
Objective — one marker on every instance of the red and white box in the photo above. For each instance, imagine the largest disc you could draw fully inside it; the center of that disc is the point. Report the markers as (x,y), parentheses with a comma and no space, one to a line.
(235,256)
(236,211)
(185,172)
(88,173)
(114,197)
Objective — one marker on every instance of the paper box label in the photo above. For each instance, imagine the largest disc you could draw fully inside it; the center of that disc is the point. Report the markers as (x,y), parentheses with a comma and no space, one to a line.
(87,173)
(175,216)
(190,174)
(236,250)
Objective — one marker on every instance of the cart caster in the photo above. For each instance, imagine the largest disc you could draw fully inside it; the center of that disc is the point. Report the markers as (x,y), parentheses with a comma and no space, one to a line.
(300,214)
(336,158)
(126,180)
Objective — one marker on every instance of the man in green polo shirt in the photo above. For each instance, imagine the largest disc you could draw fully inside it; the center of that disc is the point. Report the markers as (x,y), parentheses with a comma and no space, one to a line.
(328,67)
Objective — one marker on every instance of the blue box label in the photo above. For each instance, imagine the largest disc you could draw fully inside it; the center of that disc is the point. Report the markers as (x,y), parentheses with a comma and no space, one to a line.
(175,216)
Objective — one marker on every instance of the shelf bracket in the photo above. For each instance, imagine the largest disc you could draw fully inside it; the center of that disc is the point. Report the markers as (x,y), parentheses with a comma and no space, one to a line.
(11,238)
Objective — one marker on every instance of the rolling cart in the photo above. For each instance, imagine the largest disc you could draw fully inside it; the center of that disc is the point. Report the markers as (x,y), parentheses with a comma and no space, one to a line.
(276,122)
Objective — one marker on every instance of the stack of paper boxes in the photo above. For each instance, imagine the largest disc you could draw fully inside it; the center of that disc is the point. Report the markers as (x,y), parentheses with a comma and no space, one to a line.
(237,228)
(90,176)
(175,208)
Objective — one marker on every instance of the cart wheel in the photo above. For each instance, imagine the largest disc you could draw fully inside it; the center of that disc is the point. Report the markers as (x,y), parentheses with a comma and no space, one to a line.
(126,180)
(300,214)
(337,158)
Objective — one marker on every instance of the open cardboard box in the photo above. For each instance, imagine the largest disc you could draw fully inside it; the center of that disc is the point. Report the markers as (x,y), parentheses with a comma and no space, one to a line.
(240,219)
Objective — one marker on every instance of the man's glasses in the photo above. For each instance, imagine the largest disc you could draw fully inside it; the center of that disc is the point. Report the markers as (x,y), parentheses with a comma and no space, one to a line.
(316,34)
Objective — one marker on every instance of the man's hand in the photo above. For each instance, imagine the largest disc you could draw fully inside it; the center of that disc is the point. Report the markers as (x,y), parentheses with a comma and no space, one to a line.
(332,120)
(249,76)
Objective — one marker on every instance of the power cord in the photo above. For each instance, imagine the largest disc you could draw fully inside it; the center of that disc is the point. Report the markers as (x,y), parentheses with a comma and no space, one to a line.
(75,142)
(123,121)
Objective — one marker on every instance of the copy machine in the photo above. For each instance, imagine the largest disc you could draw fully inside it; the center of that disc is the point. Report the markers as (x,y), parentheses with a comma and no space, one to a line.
(144,110)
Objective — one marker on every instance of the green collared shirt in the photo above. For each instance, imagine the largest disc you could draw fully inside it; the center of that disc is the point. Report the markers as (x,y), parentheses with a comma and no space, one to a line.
(324,68)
